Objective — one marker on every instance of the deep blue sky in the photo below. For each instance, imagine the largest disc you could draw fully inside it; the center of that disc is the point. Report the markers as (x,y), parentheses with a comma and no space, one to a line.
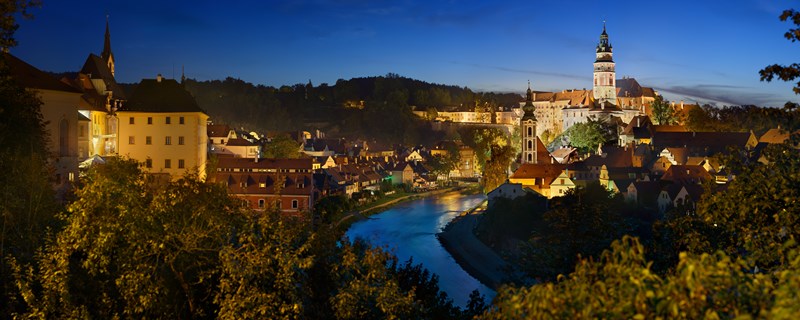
(692,50)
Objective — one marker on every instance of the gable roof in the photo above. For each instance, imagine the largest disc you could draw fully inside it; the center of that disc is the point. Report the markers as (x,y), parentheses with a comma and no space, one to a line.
(96,68)
(775,135)
(686,174)
(28,76)
(166,95)
(218,130)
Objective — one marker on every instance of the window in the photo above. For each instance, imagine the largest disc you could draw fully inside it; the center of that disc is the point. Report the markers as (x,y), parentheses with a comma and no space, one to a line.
(167,163)
(131,140)
(130,120)
(261,203)
(294,204)
(530,157)
(262,185)
(181,164)
(168,120)
(167,140)
(530,131)
(180,140)
(148,140)
(63,137)
(180,120)
(530,144)
(148,163)
(149,120)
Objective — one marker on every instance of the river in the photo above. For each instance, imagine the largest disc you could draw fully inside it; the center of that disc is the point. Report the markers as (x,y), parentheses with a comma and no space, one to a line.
(409,230)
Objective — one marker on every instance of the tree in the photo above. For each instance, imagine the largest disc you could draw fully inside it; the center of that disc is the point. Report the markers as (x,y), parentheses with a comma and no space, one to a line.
(586,136)
(662,112)
(496,170)
(620,285)
(786,72)
(282,146)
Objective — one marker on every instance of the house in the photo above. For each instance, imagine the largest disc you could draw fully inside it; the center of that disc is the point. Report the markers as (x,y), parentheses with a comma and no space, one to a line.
(506,190)
(284,183)
(59,109)
(686,175)
(402,173)
(565,154)
(163,127)
(537,177)
(562,184)
(644,193)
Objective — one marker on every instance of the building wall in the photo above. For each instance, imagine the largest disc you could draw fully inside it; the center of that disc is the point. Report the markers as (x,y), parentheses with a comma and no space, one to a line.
(60,113)
(193,151)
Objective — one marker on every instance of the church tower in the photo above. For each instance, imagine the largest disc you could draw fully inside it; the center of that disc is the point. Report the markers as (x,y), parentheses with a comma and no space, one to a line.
(528,126)
(604,90)
(107,55)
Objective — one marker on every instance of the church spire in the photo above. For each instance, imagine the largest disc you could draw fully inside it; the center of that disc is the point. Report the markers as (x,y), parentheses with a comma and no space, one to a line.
(107,55)
(107,45)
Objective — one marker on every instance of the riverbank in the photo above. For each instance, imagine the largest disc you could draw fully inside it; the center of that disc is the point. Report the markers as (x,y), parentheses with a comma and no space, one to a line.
(362,214)
(470,253)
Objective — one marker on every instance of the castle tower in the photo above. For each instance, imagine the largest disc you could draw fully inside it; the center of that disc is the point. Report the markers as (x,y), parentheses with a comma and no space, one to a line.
(107,55)
(528,126)
(604,90)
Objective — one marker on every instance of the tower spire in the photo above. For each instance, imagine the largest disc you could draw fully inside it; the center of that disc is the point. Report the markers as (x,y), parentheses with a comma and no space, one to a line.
(107,55)
(107,44)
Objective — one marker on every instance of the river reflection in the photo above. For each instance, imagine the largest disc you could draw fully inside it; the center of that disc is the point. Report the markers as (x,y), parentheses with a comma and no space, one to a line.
(409,230)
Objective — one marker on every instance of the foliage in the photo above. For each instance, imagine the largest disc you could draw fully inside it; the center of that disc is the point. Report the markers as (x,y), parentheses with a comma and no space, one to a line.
(132,250)
(620,284)
(582,222)
(482,139)
(8,22)
(331,208)
(282,146)
(738,118)
(511,219)
(786,72)
(755,228)
(442,164)
(495,172)
(587,136)
(663,113)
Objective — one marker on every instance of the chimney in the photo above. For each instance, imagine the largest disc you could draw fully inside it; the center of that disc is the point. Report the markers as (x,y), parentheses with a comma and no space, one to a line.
(681,104)
(158,78)
(637,122)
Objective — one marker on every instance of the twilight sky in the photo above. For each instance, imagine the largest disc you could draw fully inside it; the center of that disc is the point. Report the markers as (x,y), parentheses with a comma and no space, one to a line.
(692,50)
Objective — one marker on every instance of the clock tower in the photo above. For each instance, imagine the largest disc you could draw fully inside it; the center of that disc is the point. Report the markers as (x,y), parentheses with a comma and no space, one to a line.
(604,90)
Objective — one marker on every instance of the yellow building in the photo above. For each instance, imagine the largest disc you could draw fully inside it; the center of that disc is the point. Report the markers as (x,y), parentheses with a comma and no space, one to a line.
(162,126)
(60,113)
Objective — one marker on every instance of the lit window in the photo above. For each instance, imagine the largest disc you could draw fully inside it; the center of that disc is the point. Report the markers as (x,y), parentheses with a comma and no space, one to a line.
(130,120)
(181,164)
(167,140)
(167,163)
(149,120)
(180,140)
(131,139)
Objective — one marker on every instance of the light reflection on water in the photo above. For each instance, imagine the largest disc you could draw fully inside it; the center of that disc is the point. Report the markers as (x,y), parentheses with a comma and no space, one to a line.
(409,230)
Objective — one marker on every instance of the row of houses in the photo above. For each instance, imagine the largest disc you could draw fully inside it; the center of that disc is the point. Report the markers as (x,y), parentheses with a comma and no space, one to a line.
(660,167)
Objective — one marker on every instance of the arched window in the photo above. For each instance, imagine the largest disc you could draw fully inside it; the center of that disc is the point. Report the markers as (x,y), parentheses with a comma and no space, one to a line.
(63,137)
(530,144)
(530,131)
(530,157)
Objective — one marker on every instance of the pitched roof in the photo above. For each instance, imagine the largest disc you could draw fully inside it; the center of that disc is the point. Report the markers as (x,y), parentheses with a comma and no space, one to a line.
(774,136)
(686,174)
(615,157)
(542,171)
(700,143)
(166,95)
(96,68)
(628,87)
(218,130)
(250,182)
(28,76)
(239,143)
(245,163)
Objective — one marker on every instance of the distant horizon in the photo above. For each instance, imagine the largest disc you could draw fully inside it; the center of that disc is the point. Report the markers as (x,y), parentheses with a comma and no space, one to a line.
(686,50)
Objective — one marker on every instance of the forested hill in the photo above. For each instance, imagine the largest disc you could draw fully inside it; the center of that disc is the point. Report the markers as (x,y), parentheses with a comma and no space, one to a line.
(328,107)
